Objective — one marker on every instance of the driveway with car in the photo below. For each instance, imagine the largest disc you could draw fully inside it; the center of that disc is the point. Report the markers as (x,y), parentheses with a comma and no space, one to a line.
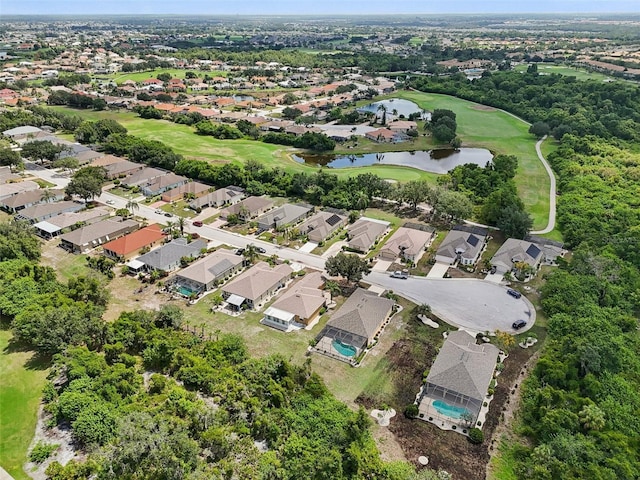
(472,304)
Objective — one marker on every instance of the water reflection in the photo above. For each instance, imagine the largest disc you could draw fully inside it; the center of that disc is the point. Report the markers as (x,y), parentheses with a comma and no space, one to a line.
(435,161)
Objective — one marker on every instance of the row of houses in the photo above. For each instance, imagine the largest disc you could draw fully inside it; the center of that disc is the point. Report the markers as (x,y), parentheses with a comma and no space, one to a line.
(465,244)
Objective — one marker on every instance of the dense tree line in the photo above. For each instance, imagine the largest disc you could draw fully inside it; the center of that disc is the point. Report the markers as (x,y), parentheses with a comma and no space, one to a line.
(564,104)
(38,117)
(253,418)
(580,405)
(150,152)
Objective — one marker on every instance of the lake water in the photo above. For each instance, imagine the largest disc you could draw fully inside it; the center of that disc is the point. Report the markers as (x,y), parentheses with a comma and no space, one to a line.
(435,161)
(404,107)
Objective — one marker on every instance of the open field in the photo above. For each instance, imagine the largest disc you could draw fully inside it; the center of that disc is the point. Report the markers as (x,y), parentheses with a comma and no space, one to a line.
(486,127)
(478,126)
(22,376)
(120,77)
(579,73)
(183,139)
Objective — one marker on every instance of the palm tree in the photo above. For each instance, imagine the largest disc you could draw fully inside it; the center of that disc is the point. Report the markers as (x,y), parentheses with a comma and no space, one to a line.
(591,417)
(333,287)
(382,108)
(47,195)
(132,205)
(181,225)
(171,225)
(250,253)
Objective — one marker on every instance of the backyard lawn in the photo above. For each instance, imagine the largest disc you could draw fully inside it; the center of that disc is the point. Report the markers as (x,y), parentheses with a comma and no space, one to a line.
(22,376)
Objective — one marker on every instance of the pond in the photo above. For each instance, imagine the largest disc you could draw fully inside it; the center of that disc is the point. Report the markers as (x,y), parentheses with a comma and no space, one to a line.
(434,161)
(403,107)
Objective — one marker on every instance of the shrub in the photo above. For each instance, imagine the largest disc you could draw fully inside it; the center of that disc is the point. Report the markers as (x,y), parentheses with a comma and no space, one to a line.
(157,383)
(41,451)
(411,411)
(476,436)
(491,392)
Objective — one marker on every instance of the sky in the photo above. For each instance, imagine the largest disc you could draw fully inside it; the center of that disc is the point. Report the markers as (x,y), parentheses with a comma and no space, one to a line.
(309,7)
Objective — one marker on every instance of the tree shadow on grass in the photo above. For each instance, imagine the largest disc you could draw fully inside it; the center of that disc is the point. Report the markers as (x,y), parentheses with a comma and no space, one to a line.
(37,361)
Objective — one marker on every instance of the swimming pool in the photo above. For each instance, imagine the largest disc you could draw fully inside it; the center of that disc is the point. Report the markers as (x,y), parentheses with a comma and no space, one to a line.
(344,349)
(187,292)
(452,411)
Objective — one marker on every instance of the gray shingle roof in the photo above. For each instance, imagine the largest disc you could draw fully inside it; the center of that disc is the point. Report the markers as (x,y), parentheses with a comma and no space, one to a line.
(258,280)
(514,250)
(464,366)
(171,253)
(362,314)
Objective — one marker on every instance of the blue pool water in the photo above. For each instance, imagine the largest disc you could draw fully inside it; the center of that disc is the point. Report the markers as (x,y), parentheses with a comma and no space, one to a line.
(186,291)
(344,349)
(449,410)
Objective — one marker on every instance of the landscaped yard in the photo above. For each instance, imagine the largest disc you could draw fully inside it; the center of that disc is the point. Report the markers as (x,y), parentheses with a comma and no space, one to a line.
(22,376)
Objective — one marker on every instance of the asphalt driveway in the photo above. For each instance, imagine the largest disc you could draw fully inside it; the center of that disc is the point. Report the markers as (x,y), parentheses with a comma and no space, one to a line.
(472,304)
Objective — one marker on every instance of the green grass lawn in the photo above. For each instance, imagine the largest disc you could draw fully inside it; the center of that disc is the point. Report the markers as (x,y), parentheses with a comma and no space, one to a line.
(501,133)
(183,139)
(566,70)
(477,126)
(22,376)
(120,77)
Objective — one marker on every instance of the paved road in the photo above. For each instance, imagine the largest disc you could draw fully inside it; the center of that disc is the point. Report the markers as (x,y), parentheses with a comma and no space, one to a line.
(473,304)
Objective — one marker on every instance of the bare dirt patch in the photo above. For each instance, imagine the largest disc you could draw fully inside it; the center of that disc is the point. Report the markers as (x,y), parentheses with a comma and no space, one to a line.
(408,359)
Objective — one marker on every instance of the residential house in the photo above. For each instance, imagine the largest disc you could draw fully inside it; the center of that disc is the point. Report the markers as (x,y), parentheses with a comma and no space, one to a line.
(365,232)
(219,198)
(194,189)
(87,238)
(10,189)
(515,251)
(7,175)
(43,211)
(57,225)
(162,184)
(167,258)
(121,168)
(21,134)
(551,249)
(29,198)
(247,209)
(130,245)
(255,286)
(355,325)
(207,273)
(319,227)
(408,243)
(459,378)
(300,304)
(142,177)
(385,135)
(287,214)
(402,126)
(461,245)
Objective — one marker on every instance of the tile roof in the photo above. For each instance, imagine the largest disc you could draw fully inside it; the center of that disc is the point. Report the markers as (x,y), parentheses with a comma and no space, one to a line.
(136,240)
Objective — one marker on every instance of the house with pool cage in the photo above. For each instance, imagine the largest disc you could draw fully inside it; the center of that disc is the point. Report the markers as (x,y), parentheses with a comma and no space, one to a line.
(354,326)
(458,381)
(207,273)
